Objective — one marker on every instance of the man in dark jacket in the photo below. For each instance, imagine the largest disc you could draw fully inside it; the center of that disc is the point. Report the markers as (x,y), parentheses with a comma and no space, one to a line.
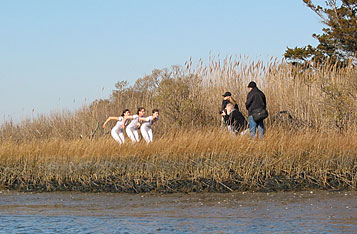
(235,119)
(255,101)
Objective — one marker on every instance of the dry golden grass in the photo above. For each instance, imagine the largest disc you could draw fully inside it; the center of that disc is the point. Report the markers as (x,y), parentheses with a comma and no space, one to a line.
(187,160)
(316,148)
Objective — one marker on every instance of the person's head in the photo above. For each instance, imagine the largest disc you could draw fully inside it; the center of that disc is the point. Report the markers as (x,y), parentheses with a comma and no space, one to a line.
(155,113)
(141,111)
(252,85)
(126,112)
(226,95)
(229,108)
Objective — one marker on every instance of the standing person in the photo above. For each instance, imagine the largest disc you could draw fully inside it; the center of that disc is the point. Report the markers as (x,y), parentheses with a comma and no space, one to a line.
(117,131)
(146,126)
(132,128)
(235,120)
(255,102)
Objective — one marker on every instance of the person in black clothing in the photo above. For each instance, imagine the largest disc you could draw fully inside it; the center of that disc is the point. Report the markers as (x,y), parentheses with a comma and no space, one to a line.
(255,101)
(234,119)
(227,98)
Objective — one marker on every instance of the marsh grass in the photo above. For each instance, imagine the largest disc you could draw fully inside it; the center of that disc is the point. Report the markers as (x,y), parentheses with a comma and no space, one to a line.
(313,145)
(184,161)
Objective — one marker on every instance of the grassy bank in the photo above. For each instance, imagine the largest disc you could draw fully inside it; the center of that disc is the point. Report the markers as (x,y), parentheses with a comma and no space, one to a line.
(311,144)
(184,161)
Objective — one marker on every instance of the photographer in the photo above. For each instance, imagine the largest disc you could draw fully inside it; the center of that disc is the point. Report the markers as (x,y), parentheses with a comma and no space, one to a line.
(227,98)
(234,119)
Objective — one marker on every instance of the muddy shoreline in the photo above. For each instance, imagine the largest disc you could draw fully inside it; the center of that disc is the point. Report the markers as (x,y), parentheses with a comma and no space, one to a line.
(200,185)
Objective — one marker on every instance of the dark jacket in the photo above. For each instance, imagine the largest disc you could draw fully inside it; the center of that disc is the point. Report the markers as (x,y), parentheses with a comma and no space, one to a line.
(255,100)
(224,104)
(236,120)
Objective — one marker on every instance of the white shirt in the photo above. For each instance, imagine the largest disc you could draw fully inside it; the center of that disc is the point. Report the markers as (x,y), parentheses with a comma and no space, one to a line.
(119,123)
(148,122)
(134,122)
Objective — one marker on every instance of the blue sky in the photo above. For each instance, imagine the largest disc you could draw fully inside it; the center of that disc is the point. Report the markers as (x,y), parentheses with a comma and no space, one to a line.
(59,55)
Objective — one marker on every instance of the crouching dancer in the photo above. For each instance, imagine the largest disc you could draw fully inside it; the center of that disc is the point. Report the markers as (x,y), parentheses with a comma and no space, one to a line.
(132,128)
(235,120)
(146,126)
(117,131)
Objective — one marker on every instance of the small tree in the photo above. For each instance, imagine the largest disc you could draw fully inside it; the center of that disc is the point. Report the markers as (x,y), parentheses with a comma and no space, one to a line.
(176,101)
(338,43)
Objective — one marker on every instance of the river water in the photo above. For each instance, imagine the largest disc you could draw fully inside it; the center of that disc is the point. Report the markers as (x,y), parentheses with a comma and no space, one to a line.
(282,212)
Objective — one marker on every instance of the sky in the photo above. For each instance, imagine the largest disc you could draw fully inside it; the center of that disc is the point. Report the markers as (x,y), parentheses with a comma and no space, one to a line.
(60,55)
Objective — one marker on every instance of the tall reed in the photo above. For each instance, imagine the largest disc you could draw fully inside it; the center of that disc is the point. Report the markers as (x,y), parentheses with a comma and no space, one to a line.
(323,97)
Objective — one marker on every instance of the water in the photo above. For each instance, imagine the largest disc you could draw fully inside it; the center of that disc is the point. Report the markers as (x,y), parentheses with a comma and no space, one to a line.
(300,212)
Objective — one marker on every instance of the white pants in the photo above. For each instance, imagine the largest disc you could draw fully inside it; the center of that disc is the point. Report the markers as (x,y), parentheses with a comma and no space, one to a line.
(118,135)
(242,133)
(147,134)
(133,134)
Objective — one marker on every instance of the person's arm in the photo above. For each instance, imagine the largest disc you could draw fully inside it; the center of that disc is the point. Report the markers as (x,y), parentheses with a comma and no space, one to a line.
(125,119)
(224,104)
(128,117)
(143,119)
(110,118)
(227,118)
(249,101)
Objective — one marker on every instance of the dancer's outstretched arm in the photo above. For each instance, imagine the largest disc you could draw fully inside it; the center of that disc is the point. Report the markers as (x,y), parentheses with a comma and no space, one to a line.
(126,118)
(110,118)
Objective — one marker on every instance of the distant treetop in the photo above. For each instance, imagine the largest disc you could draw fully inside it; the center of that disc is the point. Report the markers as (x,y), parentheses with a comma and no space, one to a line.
(338,42)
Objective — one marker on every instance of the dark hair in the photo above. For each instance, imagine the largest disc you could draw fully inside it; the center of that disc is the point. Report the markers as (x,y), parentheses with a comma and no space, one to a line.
(125,111)
(155,110)
(227,94)
(252,84)
(139,109)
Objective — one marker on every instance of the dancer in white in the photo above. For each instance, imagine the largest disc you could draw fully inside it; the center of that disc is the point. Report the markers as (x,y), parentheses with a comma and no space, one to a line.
(132,128)
(117,131)
(146,126)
